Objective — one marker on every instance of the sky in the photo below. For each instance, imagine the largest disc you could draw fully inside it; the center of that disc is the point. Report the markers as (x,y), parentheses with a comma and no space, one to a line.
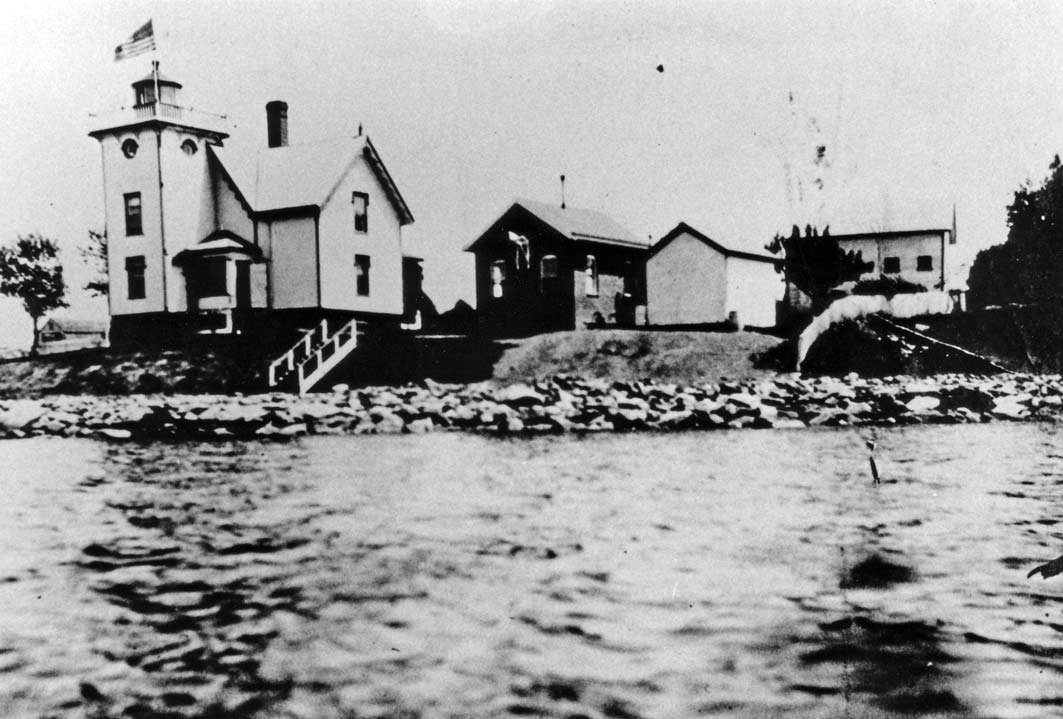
(709,113)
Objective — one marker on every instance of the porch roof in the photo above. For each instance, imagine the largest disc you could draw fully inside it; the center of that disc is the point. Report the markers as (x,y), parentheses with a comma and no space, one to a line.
(219,242)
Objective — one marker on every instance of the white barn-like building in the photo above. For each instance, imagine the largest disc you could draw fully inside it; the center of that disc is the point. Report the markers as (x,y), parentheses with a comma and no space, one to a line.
(691,280)
(917,256)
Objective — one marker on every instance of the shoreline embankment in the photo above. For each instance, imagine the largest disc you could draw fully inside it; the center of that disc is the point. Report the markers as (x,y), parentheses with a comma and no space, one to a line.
(561,404)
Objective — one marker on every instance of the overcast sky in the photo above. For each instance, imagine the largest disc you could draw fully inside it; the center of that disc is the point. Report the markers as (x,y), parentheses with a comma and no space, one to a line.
(472,104)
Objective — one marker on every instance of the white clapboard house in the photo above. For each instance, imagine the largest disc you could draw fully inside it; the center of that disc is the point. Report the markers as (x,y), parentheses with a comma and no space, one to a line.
(296,238)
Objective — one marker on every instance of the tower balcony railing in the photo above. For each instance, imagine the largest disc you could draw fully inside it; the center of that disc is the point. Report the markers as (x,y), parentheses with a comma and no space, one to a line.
(166,111)
(163,110)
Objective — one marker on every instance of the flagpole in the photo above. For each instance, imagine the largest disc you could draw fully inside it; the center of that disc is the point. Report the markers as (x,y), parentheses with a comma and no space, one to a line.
(158,167)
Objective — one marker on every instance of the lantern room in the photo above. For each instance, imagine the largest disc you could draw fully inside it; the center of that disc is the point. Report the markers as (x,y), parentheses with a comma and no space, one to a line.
(145,88)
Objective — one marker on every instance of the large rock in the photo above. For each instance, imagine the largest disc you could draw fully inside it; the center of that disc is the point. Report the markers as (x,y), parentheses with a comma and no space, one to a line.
(20,413)
(520,395)
(923,404)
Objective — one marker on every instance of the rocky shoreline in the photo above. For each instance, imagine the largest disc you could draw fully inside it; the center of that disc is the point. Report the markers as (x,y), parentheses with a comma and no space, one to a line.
(560,404)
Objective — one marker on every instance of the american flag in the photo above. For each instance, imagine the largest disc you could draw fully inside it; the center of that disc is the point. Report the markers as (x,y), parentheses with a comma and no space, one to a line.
(143,40)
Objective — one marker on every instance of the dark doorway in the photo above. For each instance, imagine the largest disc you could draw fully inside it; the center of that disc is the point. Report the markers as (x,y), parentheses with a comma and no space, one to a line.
(243,295)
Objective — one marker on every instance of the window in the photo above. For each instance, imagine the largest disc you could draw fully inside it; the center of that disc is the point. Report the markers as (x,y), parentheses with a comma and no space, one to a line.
(498,276)
(360,202)
(361,275)
(891,265)
(924,263)
(133,224)
(129,148)
(189,147)
(591,277)
(547,272)
(134,271)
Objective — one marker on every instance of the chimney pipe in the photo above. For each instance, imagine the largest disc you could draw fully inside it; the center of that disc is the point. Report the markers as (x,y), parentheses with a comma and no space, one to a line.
(277,123)
(562,192)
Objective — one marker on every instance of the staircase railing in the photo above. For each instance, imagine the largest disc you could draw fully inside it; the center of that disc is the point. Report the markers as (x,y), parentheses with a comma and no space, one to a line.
(328,355)
(314,355)
(287,362)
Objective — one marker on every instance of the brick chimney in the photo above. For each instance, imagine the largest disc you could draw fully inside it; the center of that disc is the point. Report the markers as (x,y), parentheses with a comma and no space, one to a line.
(277,123)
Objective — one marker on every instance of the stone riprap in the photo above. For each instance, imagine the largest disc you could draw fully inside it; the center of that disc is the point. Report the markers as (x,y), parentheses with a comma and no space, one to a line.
(560,404)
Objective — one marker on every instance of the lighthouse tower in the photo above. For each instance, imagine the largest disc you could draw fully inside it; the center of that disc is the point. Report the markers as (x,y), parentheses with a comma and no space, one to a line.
(155,176)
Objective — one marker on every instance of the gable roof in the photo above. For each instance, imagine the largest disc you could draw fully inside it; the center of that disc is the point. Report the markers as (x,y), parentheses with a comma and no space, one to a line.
(683,227)
(573,223)
(889,234)
(306,175)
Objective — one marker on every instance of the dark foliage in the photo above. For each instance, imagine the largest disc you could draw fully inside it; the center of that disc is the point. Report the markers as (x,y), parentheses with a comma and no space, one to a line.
(887,286)
(816,264)
(1028,267)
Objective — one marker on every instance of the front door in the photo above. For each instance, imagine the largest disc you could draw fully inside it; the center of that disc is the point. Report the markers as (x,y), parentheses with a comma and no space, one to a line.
(243,296)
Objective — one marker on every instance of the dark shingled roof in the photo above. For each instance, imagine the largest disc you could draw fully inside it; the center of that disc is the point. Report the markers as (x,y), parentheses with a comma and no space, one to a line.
(573,223)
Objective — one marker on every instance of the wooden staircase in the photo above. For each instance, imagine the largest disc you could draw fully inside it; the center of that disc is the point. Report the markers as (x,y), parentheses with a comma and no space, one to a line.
(315,355)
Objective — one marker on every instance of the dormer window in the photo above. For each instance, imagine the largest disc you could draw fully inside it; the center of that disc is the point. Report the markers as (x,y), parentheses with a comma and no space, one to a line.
(129,148)
(360,203)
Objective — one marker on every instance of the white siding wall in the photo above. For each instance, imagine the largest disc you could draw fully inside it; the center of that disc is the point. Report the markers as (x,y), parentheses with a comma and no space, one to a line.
(229,212)
(686,284)
(186,210)
(340,243)
(907,249)
(292,246)
(753,288)
(122,175)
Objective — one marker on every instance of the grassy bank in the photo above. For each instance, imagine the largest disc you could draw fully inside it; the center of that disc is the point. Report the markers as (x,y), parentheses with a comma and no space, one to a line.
(101,371)
(606,354)
(636,354)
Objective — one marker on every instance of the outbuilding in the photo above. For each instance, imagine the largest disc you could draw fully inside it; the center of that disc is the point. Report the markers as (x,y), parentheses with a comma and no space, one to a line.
(692,279)
(547,268)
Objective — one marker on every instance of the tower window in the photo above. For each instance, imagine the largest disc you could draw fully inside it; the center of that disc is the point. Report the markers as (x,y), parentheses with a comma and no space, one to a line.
(189,147)
(924,263)
(360,203)
(133,224)
(129,148)
(891,265)
(591,277)
(134,271)
(361,275)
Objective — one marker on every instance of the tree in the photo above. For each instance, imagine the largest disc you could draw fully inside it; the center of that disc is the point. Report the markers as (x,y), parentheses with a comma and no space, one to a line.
(30,271)
(95,256)
(816,264)
(1028,267)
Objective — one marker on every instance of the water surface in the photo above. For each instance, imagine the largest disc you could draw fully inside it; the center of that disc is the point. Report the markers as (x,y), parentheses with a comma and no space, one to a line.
(748,574)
